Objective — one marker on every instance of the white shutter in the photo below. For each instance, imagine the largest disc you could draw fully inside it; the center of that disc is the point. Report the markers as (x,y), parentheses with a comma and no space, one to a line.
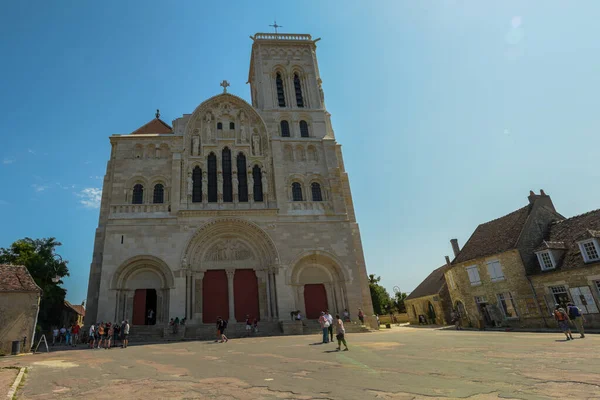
(589,299)
(575,295)
(473,275)
(495,271)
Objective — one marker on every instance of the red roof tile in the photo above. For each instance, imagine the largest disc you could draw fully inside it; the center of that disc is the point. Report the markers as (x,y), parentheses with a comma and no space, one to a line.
(157,125)
(16,278)
(78,309)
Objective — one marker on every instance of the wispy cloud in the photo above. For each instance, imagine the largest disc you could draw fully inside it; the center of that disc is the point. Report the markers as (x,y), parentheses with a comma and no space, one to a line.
(90,197)
(39,188)
(8,161)
(96,177)
(31,151)
(65,187)
(4,202)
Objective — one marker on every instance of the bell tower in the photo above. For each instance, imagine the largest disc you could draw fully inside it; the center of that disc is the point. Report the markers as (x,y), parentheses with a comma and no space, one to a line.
(284,74)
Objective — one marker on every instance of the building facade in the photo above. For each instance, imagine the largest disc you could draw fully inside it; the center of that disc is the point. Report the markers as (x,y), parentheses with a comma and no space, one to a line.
(430,302)
(514,270)
(237,209)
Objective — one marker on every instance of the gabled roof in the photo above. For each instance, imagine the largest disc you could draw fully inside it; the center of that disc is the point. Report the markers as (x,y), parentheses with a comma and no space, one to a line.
(495,236)
(16,278)
(156,125)
(569,232)
(79,309)
(431,285)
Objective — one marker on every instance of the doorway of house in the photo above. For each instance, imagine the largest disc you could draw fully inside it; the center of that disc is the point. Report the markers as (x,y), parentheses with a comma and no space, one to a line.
(144,300)
(431,313)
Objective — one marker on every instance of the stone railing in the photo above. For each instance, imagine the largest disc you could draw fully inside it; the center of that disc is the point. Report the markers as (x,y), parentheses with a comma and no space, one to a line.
(138,208)
(313,206)
(282,36)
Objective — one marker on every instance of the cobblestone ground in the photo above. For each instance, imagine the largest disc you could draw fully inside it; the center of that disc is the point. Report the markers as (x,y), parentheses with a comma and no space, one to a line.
(402,363)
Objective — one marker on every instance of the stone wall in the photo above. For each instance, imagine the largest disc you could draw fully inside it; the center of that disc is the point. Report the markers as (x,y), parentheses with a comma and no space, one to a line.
(420,306)
(18,315)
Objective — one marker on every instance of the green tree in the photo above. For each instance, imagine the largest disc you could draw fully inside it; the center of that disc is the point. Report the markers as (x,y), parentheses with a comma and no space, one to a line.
(379,296)
(47,268)
(399,302)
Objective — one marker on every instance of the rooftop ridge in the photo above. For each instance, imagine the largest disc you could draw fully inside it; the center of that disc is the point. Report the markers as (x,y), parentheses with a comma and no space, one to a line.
(510,213)
(585,214)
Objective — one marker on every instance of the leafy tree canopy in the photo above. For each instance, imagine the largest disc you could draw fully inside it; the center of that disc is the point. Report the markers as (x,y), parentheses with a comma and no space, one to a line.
(45,266)
(379,296)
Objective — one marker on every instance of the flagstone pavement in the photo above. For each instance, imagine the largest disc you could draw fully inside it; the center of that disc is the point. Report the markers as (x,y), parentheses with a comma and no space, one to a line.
(402,363)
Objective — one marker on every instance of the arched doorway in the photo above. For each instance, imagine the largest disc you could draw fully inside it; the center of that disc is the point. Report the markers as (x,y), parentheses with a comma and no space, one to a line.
(431,313)
(142,285)
(320,284)
(460,308)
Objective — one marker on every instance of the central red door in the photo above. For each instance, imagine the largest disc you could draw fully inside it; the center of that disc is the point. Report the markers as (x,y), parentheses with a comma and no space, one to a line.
(245,289)
(215,301)
(139,307)
(315,300)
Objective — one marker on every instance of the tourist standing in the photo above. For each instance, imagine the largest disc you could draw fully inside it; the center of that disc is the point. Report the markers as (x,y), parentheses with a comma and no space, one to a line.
(563,321)
(68,335)
(117,331)
(63,334)
(150,316)
(361,316)
(248,325)
(92,336)
(126,334)
(576,316)
(54,335)
(330,327)
(324,327)
(176,325)
(100,332)
(75,338)
(340,333)
(455,318)
(255,323)
(346,315)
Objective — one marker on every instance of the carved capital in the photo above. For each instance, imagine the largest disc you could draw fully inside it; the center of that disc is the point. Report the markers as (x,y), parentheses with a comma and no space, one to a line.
(230,273)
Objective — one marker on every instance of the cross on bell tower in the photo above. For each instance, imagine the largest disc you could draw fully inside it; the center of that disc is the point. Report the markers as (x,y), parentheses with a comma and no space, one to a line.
(225,84)
(276,26)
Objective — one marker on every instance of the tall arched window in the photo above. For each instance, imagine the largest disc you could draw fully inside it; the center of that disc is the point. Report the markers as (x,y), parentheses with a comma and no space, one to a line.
(258,189)
(232,125)
(303,129)
(197,185)
(316,192)
(219,125)
(285,128)
(280,93)
(226,167)
(138,194)
(242,174)
(298,88)
(159,194)
(212,178)
(296,191)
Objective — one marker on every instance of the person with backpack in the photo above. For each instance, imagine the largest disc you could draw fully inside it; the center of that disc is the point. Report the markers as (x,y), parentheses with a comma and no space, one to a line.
(576,316)
(563,321)
(324,326)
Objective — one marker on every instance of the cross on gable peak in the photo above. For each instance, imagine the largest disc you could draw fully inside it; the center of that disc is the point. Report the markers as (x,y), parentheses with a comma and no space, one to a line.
(225,84)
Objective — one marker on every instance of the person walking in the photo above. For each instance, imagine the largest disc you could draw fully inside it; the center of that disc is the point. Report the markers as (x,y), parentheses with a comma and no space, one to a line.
(68,335)
(100,332)
(125,331)
(92,336)
(340,333)
(117,332)
(455,319)
(324,327)
(361,316)
(330,328)
(346,315)
(109,335)
(75,337)
(563,321)
(576,316)
(248,325)
(221,326)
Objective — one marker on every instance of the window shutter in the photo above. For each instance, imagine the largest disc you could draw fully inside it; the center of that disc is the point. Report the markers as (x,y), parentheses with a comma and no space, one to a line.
(586,293)
(576,296)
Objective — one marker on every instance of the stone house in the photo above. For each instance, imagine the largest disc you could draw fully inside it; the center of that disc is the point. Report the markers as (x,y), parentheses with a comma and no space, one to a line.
(567,265)
(489,279)
(239,208)
(19,306)
(430,300)
(72,314)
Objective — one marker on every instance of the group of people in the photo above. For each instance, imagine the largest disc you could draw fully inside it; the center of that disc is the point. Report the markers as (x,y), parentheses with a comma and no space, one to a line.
(327,322)
(105,335)
(174,324)
(70,335)
(564,318)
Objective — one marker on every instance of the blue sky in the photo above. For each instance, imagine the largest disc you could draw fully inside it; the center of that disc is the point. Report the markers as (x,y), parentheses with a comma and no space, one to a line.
(449,112)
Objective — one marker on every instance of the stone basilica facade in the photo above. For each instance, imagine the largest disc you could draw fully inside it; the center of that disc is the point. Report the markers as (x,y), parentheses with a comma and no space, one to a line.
(235,209)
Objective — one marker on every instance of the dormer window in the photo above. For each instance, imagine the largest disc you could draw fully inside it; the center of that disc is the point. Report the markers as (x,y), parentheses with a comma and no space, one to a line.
(546,260)
(590,249)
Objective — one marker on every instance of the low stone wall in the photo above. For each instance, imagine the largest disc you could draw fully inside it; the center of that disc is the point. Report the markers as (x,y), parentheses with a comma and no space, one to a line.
(291,327)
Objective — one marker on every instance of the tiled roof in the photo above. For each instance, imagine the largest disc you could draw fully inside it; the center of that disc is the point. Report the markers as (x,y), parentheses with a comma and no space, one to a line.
(431,285)
(78,309)
(16,278)
(157,125)
(570,231)
(495,236)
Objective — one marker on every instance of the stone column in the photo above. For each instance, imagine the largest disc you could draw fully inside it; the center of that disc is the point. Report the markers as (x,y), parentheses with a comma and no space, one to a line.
(230,275)
(330,297)
(301,305)
(273,298)
(263,295)
(175,197)
(117,304)
(193,299)
(198,305)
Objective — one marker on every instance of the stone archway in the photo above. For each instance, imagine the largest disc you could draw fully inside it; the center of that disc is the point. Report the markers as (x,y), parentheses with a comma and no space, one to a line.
(233,268)
(319,282)
(140,284)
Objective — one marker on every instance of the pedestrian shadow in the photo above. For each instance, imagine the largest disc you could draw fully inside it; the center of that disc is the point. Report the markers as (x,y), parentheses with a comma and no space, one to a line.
(316,344)
(562,340)
(331,351)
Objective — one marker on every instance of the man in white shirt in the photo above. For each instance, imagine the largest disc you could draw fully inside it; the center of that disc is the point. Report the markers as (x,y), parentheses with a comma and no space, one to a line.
(329,318)
(126,334)
(63,334)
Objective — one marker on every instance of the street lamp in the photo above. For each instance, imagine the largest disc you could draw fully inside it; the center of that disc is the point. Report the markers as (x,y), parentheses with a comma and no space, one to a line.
(56,278)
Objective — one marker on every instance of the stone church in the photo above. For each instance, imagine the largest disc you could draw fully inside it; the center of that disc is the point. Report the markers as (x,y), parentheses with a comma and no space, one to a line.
(236,209)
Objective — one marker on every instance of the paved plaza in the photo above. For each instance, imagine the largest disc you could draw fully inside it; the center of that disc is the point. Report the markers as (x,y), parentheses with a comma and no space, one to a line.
(401,363)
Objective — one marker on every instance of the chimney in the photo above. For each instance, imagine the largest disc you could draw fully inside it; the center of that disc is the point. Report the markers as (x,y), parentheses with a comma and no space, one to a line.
(542,199)
(455,248)
(447,261)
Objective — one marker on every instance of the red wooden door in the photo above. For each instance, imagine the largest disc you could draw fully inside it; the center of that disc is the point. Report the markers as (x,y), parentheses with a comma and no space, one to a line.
(315,300)
(215,300)
(245,289)
(139,307)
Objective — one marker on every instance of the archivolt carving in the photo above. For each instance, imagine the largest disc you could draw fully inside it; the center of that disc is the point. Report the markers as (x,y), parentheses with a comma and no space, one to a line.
(228,250)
